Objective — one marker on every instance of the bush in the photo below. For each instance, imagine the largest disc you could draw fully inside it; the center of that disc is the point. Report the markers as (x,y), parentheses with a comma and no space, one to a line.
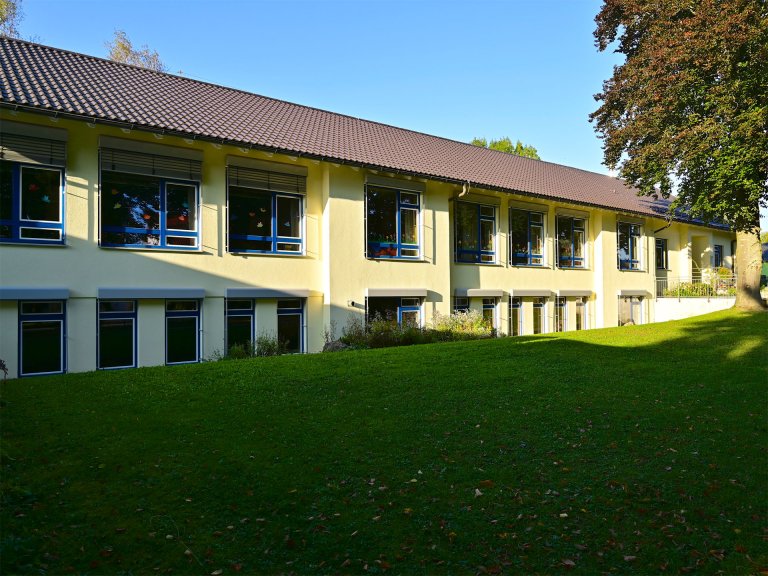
(266,344)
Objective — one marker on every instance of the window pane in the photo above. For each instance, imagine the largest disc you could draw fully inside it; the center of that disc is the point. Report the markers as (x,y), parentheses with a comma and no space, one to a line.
(181,340)
(466,229)
(41,347)
(289,331)
(383,308)
(40,194)
(486,234)
(42,308)
(410,318)
(116,343)
(239,305)
(39,233)
(623,245)
(131,201)
(382,215)
(180,241)
(239,330)
(409,198)
(518,224)
(288,304)
(578,245)
(288,247)
(409,225)
(250,213)
(6,192)
(288,217)
(181,206)
(181,305)
(488,316)
(117,306)
(515,318)
(537,240)
(537,317)
(244,245)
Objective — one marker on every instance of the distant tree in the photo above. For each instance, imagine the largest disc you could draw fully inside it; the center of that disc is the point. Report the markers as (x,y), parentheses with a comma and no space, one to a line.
(687,112)
(10,17)
(764,238)
(121,50)
(505,145)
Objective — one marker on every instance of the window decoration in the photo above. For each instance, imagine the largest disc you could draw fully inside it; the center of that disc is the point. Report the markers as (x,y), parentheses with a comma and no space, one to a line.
(42,337)
(117,333)
(475,233)
(392,223)
(662,257)
(182,335)
(571,238)
(526,238)
(629,246)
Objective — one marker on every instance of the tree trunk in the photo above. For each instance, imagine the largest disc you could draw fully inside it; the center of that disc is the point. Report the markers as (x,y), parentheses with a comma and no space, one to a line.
(748,263)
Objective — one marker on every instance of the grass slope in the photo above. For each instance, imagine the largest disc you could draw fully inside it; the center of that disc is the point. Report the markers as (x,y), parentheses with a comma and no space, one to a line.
(631,450)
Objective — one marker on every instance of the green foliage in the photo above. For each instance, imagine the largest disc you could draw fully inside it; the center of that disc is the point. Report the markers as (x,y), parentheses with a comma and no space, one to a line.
(10,17)
(764,237)
(121,50)
(583,453)
(266,344)
(687,110)
(506,145)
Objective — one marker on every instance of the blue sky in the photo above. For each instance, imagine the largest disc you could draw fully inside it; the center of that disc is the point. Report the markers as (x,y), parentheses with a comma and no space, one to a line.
(527,69)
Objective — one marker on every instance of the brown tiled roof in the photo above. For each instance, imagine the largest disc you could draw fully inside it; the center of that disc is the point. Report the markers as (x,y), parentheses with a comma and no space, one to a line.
(52,80)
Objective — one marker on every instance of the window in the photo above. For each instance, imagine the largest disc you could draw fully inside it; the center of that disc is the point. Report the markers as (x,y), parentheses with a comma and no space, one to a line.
(182,336)
(526,238)
(117,333)
(475,233)
(538,315)
(460,304)
(581,316)
(403,311)
(628,246)
(31,204)
(516,316)
(662,256)
(265,211)
(240,323)
(718,255)
(560,314)
(392,223)
(570,242)
(489,311)
(290,314)
(630,310)
(41,337)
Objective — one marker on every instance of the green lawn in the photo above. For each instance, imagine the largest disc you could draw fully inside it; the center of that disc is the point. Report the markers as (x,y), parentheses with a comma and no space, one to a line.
(632,450)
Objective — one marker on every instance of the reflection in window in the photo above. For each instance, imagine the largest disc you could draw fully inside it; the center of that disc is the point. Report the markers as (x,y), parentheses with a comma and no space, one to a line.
(262,221)
(392,222)
(475,232)
(628,246)
(526,238)
(31,208)
(570,242)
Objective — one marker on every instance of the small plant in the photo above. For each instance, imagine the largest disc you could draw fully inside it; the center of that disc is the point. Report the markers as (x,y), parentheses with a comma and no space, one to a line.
(3,369)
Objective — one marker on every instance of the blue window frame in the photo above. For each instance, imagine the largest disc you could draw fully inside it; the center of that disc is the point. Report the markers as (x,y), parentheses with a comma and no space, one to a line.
(571,239)
(264,222)
(392,223)
(718,255)
(460,304)
(515,316)
(561,314)
(629,246)
(489,311)
(404,311)
(140,211)
(662,257)
(290,324)
(117,334)
(475,232)
(240,323)
(526,238)
(31,204)
(42,337)
(182,331)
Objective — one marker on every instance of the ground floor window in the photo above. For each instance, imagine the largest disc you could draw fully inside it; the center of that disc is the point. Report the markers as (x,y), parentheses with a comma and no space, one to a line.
(240,323)
(290,315)
(515,316)
(539,319)
(117,333)
(460,304)
(560,315)
(630,310)
(581,315)
(42,337)
(489,311)
(403,311)
(182,331)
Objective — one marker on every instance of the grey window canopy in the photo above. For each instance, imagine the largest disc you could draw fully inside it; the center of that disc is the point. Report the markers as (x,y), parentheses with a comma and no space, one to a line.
(150,159)
(396,293)
(478,293)
(151,293)
(634,293)
(33,144)
(25,293)
(270,293)
(576,293)
(531,293)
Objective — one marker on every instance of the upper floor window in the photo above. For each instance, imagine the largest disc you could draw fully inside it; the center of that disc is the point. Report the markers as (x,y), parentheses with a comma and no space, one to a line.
(571,238)
(475,233)
(32,161)
(149,200)
(628,251)
(718,255)
(662,255)
(265,211)
(526,238)
(392,222)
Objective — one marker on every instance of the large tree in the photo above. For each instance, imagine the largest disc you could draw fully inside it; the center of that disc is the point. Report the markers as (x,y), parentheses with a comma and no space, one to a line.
(687,112)
(121,50)
(10,16)
(506,145)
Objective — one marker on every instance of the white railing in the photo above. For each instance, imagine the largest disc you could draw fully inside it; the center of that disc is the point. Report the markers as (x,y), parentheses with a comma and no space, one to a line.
(714,284)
